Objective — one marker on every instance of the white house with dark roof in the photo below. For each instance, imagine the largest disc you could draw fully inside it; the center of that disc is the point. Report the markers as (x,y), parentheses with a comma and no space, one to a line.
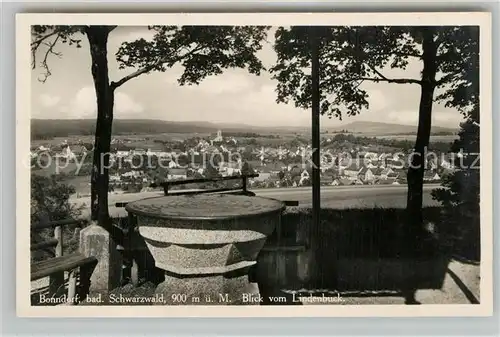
(431,175)
(385,172)
(67,153)
(366,175)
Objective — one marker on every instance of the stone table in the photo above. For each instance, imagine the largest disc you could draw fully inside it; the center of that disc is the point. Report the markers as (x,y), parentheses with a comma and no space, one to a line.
(206,244)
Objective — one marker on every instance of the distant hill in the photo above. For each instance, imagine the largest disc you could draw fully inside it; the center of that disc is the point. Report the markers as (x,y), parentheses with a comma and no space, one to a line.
(385,129)
(49,128)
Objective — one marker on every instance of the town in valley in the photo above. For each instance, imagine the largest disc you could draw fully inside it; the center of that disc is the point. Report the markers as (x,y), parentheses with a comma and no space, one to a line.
(281,160)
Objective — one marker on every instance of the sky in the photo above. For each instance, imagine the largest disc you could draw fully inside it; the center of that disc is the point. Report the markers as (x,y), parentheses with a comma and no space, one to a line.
(233,97)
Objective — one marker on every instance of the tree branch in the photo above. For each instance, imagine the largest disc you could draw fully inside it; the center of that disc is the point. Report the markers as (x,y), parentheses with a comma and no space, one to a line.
(417,55)
(391,80)
(49,51)
(382,77)
(376,80)
(59,33)
(36,43)
(135,74)
(147,69)
(445,79)
(400,54)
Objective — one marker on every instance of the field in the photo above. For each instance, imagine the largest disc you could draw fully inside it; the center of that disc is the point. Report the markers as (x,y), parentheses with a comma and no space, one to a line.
(80,183)
(140,141)
(148,140)
(434,138)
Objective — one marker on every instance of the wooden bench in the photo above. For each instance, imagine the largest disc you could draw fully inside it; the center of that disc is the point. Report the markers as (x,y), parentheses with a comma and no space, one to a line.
(70,263)
(79,266)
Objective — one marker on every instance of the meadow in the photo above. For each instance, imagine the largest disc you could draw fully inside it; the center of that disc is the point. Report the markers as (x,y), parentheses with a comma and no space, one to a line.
(434,138)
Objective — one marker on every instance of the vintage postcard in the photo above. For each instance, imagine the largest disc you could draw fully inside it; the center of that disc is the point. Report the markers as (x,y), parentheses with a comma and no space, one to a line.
(239,165)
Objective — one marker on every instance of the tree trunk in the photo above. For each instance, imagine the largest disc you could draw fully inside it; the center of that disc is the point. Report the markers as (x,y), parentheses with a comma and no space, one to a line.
(417,163)
(98,38)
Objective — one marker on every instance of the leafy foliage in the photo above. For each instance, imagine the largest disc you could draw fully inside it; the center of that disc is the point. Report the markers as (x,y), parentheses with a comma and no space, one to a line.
(352,55)
(459,62)
(50,199)
(460,196)
(211,171)
(201,50)
(50,202)
(246,169)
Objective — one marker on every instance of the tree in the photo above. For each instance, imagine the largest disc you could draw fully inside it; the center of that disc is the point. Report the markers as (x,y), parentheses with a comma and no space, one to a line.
(350,56)
(246,169)
(50,202)
(50,199)
(281,175)
(211,171)
(460,196)
(202,51)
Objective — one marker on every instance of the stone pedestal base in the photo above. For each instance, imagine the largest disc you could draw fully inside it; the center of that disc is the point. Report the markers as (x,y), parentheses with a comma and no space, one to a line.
(206,244)
(208,290)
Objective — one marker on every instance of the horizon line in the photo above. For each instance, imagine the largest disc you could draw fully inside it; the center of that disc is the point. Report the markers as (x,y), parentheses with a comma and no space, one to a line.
(238,123)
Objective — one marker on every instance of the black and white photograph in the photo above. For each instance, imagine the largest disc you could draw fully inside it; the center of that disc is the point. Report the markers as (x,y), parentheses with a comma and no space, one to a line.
(332,165)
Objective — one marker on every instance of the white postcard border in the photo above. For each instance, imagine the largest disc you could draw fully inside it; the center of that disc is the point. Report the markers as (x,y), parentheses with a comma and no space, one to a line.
(23,108)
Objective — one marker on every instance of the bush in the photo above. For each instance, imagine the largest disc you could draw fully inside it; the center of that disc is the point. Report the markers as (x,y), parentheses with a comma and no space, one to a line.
(50,202)
(460,195)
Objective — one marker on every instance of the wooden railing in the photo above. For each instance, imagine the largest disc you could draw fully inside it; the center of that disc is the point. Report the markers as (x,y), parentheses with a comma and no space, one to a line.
(57,241)
(244,178)
(78,266)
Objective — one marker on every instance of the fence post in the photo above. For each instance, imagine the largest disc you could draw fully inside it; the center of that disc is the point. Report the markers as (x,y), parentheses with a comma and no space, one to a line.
(165,188)
(72,288)
(56,280)
(244,184)
(134,273)
(59,236)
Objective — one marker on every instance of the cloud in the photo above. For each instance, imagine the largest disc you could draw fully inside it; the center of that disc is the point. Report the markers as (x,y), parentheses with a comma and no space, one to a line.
(125,105)
(448,118)
(229,82)
(377,99)
(83,105)
(259,107)
(409,117)
(49,101)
